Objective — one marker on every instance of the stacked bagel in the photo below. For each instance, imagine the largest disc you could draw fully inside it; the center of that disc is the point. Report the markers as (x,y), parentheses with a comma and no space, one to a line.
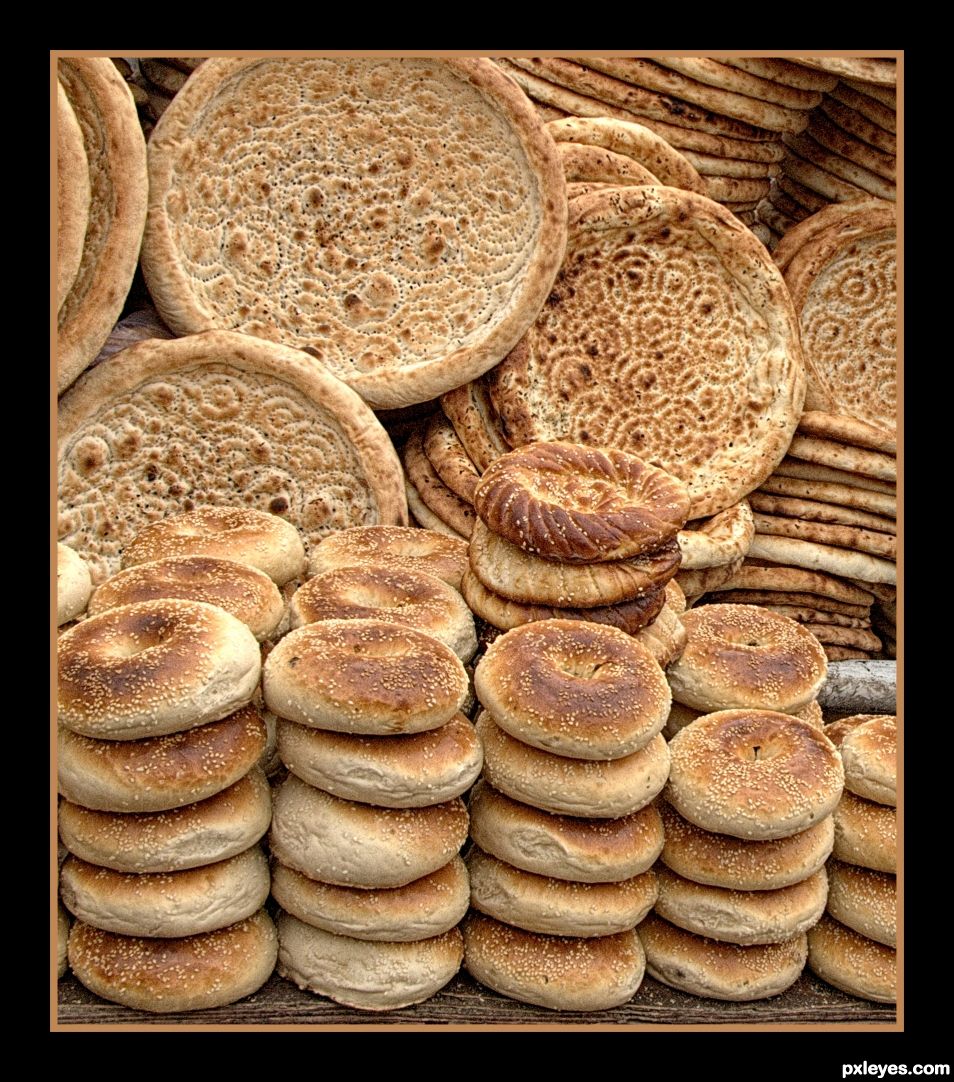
(564,829)
(748,827)
(853,946)
(368,824)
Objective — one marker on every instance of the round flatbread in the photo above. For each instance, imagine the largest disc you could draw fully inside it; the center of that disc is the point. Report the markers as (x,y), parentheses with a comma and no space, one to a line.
(667,313)
(217,419)
(72,195)
(402,219)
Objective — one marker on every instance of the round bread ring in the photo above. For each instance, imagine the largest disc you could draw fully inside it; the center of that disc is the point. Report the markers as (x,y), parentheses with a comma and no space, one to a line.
(446,454)
(836,731)
(154,668)
(564,973)
(205,832)
(73,584)
(245,535)
(743,917)
(160,772)
(869,754)
(591,789)
(363,676)
(753,774)
(564,846)
(412,599)
(864,900)
(426,907)
(745,656)
(186,973)
(582,690)
(540,903)
(717,541)
(705,967)
(577,504)
(499,612)
(167,904)
(410,771)
(720,861)
(398,548)
(852,962)
(358,845)
(665,638)
(362,973)
(242,590)
(866,834)
(507,570)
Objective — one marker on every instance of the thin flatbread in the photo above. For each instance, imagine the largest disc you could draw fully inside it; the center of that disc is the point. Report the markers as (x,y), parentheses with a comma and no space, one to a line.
(752,576)
(715,165)
(812,151)
(816,511)
(589,164)
(72,195)
(858,125)
(882,113)
(866,69)
(829,492)
(811,471)
(470,411)
(794,599)
(445,504)
(818,557)
(783,71)
(446,454)
(725,77)
(838,141)
(848,537)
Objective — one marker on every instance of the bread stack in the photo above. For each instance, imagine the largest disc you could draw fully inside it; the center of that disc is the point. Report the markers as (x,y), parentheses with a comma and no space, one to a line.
(563,824)
(164,806)
(748,827)
(369,822)
(853,947)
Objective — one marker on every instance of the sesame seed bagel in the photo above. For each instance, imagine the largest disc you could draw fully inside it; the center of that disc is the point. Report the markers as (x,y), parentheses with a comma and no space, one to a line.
(680,716)
(564,973)
(744,655)
(705,967)
(507,570)
(855,964)
(364,974)
(864,900)
(364,676)
(754,774)
(721,861)
(413,599)
(628,616)
(202,833)
(869,753)
(358,845)
(154,668)
(425,907)
(582,690)
(160,772)
(742,916)
(866,834)
(590,788)
(73,584)
(397,548)
(540,903)
(409,771)
(565,501)
(244,591)
(188,973)
(564,846)
(232,533)
(167,904)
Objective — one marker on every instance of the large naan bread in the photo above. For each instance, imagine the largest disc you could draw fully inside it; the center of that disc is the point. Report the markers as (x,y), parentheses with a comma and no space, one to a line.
(217,419)
(72,195)
(402,220)
(669,333)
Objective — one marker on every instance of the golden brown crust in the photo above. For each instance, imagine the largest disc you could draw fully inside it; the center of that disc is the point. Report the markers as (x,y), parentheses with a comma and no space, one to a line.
(597,165)
(578,689)
(470,411)
(855,964)
(73,584)
(580,504)
(720,540)
(665,638)
(387,325)
(153,668)
(72,195)
(363,676)
(436,496)
(797,580)
(402,548)
(450,460)
(845,429)
(183,974)
(746,656)
(869,753)
(160,772)
(865,901)
(866,834)
(753,774)
(696,583)
(564,846)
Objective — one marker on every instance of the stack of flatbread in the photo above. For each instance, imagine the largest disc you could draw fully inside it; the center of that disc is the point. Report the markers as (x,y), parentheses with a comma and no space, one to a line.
(162,78)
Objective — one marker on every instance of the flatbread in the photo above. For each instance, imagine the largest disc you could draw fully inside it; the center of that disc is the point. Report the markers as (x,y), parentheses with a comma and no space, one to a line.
(848,537)
(838,141)
(817,511)
(785,204)
(736,189)
(601,166)
(116,157)
(811,471)
(833,188)
(425,517)
(715,165)
(812,151)
(401,219)
(867,69)
(858,125)
(798,580)
(218,419)
(846,429)
(867,103)
(783,71)
(635,141)
(815,556)
(72,195)
(856,637)
(696,583)
(687,356)
(722,75)
(451,462)
(845,653)
(717,541)
(445,504)
(805,197)
(470,411)
(770,215)
(887,95)
(816,616)
(793,599)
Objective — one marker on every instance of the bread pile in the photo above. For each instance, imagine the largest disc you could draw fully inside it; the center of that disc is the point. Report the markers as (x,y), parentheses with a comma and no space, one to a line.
(369,822)
(563,824)
(748,827)
(853,946)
